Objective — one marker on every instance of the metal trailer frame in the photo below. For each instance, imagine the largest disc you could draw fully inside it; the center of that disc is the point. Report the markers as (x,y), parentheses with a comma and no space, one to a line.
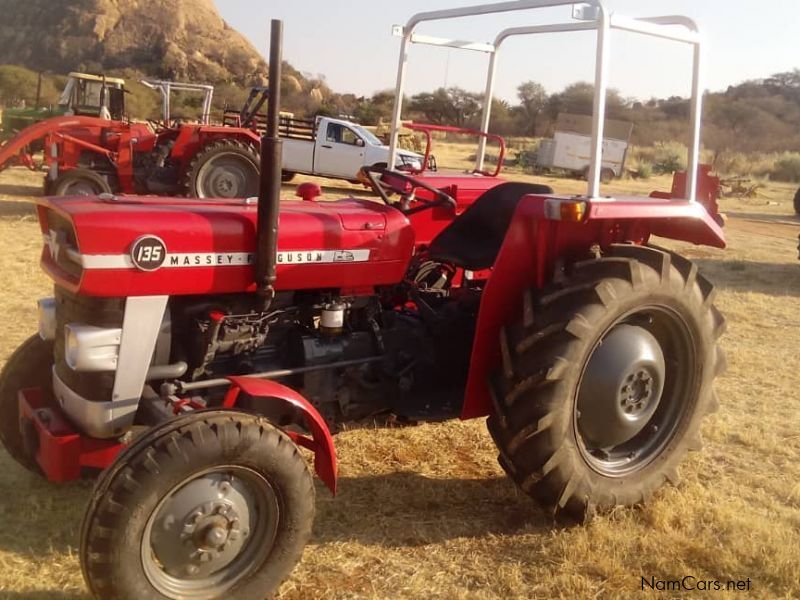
(590,15)
(167,87)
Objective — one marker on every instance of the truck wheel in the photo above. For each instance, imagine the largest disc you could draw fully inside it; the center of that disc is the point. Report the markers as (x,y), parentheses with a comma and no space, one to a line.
(79,182)
(211,504)
(287,176)
(606,379)
(606,175)
(29,366)
(797,202)
(225,169)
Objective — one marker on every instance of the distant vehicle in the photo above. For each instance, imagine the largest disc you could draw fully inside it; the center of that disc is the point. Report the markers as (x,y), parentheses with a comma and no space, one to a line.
(571,146)
(90,155)
(83,95)
(336,148)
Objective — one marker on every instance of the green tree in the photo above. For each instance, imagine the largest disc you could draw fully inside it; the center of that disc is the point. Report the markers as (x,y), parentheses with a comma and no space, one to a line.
(532,103)
(578,98)
(447,106)
(19,84)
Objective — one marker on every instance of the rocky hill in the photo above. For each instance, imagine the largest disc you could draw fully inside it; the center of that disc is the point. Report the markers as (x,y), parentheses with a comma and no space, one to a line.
(174,39)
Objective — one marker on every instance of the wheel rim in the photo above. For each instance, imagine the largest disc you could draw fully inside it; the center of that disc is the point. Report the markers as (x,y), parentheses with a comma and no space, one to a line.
(227,176)
(635,391)
(209,532)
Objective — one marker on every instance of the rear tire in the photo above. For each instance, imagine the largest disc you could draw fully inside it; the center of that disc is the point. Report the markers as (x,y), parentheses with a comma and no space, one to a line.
(225,169)
(212,504)
(629,436)
(79,182)
(287,176)
(29,366)
(797,202)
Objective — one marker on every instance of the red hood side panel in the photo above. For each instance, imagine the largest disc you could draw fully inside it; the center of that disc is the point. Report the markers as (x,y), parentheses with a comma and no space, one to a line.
(211,245)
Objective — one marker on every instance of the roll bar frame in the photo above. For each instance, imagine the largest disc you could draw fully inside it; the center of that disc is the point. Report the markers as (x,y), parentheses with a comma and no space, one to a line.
(167,87)
(590,15)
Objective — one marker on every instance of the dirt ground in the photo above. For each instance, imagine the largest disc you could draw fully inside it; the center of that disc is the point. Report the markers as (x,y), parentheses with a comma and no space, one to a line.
(425,512)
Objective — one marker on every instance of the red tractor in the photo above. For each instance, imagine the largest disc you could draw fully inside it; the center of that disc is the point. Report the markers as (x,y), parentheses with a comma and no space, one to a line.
(90,155)
(193,347)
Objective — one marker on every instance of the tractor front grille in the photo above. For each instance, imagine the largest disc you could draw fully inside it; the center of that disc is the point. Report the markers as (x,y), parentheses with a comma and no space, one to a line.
(63,245)
(99,312)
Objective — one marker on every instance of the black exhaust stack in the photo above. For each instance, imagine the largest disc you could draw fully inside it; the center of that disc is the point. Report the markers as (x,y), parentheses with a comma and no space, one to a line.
(269,197)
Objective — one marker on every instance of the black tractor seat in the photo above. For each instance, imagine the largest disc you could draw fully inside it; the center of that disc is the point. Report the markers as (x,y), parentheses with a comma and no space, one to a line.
(473,240)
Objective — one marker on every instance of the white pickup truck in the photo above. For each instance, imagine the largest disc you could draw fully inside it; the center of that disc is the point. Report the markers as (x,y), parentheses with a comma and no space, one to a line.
(334,148)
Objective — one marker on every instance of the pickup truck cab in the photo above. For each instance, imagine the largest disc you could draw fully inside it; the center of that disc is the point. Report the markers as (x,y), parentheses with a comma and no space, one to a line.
(335,148)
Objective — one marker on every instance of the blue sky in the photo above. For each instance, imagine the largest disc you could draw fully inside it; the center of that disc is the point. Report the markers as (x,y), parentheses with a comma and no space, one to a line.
(350,43)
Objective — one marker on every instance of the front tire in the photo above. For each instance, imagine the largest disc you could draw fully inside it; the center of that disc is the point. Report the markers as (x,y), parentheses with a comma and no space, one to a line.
(29,366)
(79,182)
(211,504)
(606,379)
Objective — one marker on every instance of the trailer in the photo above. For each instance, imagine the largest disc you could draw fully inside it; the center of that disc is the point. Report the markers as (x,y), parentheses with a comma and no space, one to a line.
(571,146)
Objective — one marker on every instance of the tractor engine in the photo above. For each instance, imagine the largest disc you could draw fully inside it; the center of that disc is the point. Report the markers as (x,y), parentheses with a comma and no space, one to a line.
(402,354)
(352,358)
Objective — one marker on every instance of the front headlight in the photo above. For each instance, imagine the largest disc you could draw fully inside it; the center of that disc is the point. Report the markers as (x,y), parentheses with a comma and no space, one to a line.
(88,348)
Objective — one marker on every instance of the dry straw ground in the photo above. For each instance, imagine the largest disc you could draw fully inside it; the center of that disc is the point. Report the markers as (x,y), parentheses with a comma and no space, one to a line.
(425,512)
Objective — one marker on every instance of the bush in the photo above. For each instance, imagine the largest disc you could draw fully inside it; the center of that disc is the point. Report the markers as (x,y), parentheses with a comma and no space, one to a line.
(644,171)
(526,159)
(668,158)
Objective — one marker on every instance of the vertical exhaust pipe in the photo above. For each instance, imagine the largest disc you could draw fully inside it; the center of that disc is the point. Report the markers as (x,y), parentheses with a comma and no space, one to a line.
(269,196)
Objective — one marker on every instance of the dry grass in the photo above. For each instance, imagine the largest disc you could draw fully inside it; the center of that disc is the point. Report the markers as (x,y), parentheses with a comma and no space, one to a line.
(425,512)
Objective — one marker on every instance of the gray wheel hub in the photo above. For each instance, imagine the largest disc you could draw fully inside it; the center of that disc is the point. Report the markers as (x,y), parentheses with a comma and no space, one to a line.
(227,176)
(621,387)
(209,533)
(81,187)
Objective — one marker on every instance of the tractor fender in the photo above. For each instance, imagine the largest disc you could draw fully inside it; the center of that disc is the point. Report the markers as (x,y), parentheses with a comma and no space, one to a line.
(536,244)
(321,443)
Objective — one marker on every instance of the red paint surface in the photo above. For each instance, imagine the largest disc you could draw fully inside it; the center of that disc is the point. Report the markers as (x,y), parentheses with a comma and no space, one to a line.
(209,226)
(62,451)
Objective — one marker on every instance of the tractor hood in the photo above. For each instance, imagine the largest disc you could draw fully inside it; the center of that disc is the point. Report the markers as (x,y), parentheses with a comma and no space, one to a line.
(137,246)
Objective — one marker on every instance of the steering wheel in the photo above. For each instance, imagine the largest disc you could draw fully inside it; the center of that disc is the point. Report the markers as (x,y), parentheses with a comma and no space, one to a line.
(384,182)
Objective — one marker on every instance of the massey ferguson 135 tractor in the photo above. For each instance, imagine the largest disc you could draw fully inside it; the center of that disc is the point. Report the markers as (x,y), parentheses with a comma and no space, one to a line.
(193,347)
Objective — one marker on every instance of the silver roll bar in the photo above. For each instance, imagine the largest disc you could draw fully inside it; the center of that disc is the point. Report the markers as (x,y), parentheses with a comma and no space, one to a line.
(589,16)
(167,87)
